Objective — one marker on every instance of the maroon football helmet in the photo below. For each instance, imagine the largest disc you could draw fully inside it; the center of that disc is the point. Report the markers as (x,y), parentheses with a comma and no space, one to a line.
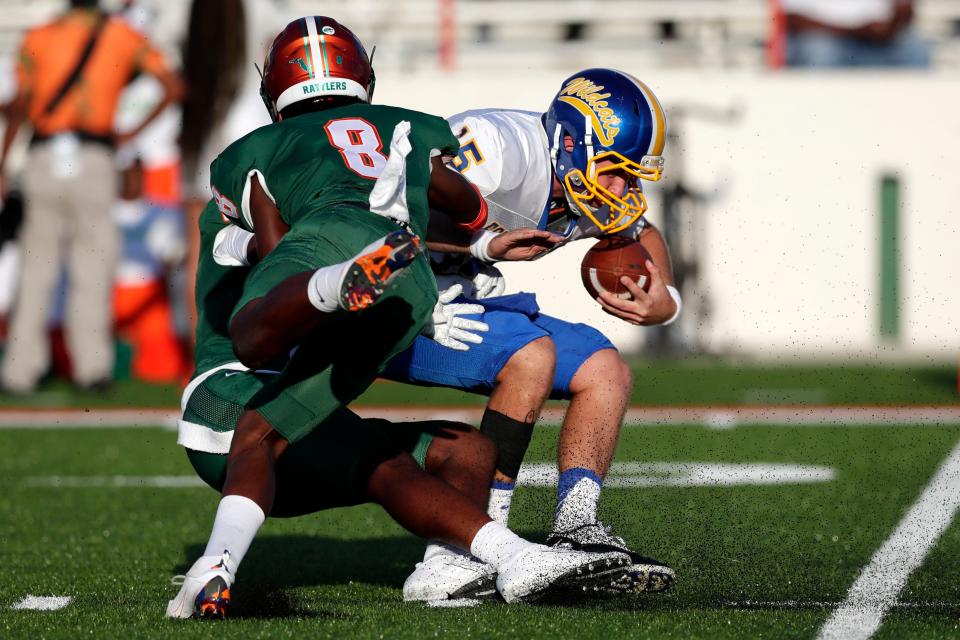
(315,57)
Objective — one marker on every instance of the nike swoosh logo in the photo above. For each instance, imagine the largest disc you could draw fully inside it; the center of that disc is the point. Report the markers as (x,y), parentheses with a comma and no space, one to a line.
(232,373)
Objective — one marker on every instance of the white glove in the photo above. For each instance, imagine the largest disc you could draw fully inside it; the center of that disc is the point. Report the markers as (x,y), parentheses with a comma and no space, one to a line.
(230,246)
(488,283)
(449,329)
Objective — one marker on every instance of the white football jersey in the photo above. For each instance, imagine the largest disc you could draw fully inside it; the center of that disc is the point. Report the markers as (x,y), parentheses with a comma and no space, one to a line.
(506,154)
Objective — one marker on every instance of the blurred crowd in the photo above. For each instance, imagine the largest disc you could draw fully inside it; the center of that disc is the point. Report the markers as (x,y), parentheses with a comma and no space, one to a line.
(106,147)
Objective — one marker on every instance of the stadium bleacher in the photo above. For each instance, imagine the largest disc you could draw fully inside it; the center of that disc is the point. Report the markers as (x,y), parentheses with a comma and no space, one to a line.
(495,34)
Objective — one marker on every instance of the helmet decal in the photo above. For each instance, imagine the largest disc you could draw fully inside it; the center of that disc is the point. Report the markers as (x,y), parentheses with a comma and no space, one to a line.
(605,123)
(586,97)
(316,47)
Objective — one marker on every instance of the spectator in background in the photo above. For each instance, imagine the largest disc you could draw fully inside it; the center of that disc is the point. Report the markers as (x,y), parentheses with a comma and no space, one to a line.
(70,74)
(153,245)
(852,33)
(11,210)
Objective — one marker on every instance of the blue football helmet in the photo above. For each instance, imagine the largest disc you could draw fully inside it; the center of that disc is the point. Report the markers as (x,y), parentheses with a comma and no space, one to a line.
(610,115)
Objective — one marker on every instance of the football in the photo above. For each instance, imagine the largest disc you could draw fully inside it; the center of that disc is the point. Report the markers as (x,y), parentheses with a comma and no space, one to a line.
(611,258)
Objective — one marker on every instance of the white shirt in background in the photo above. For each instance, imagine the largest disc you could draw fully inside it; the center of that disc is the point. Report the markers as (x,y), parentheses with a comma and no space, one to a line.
(842,13)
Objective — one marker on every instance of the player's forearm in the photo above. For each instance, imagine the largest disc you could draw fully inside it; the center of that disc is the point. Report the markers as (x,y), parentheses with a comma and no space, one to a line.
(444,236)
(653,241)
(452,195)
(446,247)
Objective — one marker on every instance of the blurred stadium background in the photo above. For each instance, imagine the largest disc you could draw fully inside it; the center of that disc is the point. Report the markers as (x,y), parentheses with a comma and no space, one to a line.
(812,214)
(815,225)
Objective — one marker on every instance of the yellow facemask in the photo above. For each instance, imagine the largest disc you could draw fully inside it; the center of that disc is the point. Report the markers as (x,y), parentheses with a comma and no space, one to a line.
(584,191)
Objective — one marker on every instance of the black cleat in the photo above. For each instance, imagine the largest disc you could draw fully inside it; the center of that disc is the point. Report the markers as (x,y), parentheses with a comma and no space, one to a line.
(645,575)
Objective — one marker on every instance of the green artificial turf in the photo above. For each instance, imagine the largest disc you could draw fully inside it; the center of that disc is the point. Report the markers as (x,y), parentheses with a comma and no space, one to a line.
(656,383)
(752,561)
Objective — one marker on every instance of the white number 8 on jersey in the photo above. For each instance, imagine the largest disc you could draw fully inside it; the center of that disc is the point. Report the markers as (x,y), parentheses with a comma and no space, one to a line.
(359,144)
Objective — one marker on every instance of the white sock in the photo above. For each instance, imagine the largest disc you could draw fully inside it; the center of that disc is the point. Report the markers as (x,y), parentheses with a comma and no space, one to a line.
(437,548)
(495,544)
(237,522)
(578,505)
(324,286)
(498,507)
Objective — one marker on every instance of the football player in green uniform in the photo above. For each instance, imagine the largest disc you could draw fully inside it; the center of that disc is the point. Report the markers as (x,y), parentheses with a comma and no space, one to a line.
(355,216)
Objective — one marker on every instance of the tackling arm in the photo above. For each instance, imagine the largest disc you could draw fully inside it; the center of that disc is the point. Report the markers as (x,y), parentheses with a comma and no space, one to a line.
(455,197)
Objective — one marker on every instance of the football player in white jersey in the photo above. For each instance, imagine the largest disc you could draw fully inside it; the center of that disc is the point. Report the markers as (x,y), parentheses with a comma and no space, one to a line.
(575,170)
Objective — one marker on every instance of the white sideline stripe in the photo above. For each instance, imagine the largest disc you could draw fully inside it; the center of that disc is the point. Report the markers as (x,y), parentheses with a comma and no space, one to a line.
(686,474)
(880,582)
(88,419)
(714,417)
(43,603)
(823,604)
(535,474)
(80,482)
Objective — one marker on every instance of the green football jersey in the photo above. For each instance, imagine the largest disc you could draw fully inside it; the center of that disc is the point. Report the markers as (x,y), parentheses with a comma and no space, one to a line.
(217,291)
(321,160)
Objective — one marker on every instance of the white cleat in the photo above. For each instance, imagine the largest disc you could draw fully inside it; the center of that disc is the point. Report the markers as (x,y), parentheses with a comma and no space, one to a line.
(204,591)
(541,570)
(450,576)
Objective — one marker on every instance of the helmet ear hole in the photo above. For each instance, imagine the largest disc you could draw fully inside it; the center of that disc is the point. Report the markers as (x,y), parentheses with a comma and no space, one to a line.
(568,143)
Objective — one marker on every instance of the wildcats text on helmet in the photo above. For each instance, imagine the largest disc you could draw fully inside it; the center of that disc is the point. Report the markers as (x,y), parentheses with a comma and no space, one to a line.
(588,100)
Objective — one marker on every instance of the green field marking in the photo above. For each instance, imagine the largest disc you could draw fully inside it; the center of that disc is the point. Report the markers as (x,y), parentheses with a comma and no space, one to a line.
(792,550)
(889,257)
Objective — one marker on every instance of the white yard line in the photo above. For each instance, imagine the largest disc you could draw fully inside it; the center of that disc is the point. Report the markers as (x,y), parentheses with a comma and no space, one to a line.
(536,474)
(136,482)
(824,604)
(718,417)
(43,603)
(87,418)
(880,582)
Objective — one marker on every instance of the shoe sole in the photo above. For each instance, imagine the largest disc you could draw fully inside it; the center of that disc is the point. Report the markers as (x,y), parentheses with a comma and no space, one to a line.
(370,274)
(480,589)
(643,578)
(590,577)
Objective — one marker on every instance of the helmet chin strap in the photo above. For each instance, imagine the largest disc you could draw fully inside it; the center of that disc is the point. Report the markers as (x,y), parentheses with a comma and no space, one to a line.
(373,76)
(267,101)
(555,147)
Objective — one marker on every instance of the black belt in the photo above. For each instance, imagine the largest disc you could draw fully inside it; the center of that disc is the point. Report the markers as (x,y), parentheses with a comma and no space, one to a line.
(82,136)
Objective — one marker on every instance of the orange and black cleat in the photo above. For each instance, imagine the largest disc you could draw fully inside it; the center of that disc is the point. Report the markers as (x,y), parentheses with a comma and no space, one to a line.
(371,272)
(204,591)
(213,601)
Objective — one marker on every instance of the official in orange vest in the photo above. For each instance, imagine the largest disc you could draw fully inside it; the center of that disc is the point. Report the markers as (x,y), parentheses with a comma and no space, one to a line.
(70,74)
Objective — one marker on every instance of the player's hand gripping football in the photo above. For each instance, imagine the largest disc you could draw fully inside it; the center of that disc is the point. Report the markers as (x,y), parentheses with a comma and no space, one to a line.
(523,244)
(449,328)
(644,308)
